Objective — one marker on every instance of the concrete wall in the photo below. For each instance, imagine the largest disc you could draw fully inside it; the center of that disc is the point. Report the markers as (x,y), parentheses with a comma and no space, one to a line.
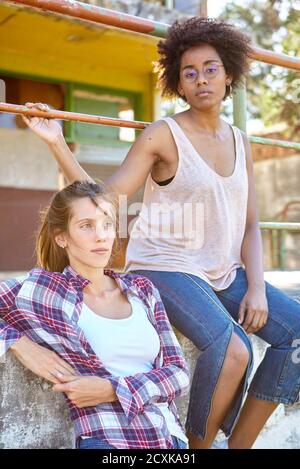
(31,415)
(277,183)
(25,161)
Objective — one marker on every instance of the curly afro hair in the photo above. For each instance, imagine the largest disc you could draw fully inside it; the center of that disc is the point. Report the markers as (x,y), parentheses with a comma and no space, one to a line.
(232,45)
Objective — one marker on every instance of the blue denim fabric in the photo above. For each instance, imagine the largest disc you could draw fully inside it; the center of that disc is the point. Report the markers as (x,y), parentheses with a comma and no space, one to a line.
(95,443)
(179,444)
(208,318)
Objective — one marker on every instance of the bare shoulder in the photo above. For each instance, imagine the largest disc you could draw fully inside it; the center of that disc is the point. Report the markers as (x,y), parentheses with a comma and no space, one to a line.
(157,129)
(158,137)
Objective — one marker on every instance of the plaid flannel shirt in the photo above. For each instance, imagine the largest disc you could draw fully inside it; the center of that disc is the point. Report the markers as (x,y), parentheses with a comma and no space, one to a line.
(45,307)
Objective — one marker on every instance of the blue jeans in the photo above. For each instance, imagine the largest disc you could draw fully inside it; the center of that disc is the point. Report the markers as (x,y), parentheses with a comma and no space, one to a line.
(208,318)
(95,443)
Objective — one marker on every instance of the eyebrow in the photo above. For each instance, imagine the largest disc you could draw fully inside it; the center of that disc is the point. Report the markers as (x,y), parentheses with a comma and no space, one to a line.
(204,63)
(84,219)
(92,219)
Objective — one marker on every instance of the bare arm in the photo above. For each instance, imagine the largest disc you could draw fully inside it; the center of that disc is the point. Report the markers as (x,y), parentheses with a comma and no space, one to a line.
(132,173)
(40,360)
(252,252)
(86,391)
(33,356)
(253,312)
(142,156)
(67,161)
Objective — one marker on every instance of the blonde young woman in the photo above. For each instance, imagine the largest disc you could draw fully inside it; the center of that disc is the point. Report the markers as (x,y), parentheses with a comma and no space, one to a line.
(102,339)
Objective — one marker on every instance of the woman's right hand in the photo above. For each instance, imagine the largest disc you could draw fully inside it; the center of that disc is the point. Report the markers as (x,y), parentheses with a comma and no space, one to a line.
(40,360)
(48,129)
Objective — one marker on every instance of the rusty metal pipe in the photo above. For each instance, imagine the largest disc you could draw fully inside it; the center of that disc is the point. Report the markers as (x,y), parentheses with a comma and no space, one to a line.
(273,58)
(88,12)
(71,116)
(111,121)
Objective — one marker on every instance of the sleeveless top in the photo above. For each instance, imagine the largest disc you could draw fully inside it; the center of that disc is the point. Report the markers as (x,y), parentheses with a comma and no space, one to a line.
(126,347)
(196,223)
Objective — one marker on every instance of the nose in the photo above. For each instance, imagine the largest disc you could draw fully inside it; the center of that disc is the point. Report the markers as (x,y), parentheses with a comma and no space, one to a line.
(100,233)
(201,79)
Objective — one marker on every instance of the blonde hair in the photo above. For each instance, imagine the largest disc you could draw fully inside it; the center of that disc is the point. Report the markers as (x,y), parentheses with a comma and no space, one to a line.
(56,217)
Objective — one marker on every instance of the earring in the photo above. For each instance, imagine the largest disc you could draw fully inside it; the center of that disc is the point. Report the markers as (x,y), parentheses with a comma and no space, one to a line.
(62,246)
(230,90)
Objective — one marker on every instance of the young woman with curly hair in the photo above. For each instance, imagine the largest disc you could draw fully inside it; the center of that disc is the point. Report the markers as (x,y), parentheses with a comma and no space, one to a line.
(209,273)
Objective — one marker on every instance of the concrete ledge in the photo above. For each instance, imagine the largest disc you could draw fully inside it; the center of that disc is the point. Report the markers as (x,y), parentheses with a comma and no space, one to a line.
(31,414)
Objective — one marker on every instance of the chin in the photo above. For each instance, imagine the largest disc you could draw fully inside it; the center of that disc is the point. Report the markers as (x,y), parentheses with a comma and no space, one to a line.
(98,263)
(204,105)
(102,265)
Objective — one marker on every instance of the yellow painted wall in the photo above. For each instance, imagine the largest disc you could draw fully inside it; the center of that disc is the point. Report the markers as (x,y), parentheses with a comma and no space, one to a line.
(53,47)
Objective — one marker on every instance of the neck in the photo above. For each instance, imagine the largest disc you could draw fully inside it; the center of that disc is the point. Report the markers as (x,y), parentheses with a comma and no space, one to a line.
(99,281)
(208,120)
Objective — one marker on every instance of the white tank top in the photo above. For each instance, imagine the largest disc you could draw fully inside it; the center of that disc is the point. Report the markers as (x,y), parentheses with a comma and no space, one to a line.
(126,347)
(196,223)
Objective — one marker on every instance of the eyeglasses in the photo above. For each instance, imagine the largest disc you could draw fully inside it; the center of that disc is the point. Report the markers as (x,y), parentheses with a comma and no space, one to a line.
(190,75)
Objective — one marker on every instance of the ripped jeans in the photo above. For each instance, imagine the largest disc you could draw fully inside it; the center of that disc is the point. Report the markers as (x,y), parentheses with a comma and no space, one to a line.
(208,318)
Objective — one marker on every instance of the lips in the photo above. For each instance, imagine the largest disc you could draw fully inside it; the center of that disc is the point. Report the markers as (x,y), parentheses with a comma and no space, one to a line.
(100,251)
(203,93)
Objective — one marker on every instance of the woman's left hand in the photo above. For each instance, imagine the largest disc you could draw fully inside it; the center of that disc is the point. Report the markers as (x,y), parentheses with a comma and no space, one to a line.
(86,391)
(253,312)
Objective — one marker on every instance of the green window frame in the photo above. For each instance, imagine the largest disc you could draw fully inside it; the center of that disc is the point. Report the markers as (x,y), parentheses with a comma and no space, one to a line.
(87,99)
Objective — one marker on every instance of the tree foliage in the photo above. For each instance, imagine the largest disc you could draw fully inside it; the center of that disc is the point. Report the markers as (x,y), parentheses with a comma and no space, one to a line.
(273,91)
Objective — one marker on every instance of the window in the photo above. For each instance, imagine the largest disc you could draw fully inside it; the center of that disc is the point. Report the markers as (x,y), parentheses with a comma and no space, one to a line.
(101,102)
(20,91)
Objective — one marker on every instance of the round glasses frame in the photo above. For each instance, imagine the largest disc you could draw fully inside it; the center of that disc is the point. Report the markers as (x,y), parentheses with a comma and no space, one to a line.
(190,75)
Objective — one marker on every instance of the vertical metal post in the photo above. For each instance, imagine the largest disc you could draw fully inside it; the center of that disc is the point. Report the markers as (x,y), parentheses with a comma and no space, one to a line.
(203,10)
(169,4)
(240,108)
(276,255)
(275,249)
(282,250)
(156,99)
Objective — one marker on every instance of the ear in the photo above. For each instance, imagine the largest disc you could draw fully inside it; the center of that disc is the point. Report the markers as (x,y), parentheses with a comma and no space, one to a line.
(228,80)
(180,90)
(61,240)
(179,87)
